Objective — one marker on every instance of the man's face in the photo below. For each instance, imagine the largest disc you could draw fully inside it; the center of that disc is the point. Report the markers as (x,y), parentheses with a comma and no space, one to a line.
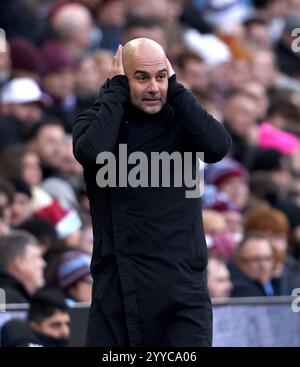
(49,145)
(219,283)
(21,209)
(28,113)
(55,326)
(257,260)
(31,268)
(148,81)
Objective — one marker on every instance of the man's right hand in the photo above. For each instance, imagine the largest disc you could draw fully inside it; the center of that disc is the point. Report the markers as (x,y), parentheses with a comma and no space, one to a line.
(117,63)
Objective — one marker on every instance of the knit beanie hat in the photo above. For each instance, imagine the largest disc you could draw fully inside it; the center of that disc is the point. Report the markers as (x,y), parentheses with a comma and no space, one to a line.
(73,266)
(218,173)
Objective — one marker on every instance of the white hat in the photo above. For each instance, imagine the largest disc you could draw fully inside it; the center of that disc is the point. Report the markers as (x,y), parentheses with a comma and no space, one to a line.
(211,48)
(22,90)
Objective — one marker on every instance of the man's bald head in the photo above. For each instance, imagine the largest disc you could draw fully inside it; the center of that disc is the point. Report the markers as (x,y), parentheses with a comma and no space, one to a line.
(145,65)
(142,47)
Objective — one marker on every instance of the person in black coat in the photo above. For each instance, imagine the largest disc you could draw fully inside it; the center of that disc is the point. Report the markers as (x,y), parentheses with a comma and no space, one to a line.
(149,257)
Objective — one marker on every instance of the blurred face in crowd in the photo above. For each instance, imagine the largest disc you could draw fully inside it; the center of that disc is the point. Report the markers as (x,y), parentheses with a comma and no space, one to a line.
(29,268)
(31,169)
(257,35)
(6,208)
(49,143)
(237,189)
(73,22)
(27,113)
(103,60)
(59,84)
(194,73)
(82,290)
(256,259)
(4,61)
(69,165)
(112,13)
(55,326)
(218,279)
(258,92)
(240,113)
(21,209)
(146,68)
(155,33)
(238,73)
(263,68)
(86,76)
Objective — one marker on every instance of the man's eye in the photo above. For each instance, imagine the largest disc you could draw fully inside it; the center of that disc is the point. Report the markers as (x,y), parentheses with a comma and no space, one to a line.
(161,77)
(142,77)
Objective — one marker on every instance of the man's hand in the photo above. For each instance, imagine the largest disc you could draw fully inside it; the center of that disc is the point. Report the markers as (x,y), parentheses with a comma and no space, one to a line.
(170,69)
(117,63)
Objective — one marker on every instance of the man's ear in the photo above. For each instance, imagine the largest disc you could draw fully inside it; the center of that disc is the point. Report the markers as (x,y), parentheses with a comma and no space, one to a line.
(34,325)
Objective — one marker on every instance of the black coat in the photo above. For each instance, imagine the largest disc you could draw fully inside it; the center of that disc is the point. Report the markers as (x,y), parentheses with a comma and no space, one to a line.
(14,290)
(149,258)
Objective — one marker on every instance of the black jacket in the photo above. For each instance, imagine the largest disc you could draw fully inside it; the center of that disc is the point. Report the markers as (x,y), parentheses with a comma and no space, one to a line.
(14,290)
(150,255)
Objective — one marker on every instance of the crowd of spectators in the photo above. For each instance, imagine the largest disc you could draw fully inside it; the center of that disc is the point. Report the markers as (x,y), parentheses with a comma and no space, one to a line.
(241,58)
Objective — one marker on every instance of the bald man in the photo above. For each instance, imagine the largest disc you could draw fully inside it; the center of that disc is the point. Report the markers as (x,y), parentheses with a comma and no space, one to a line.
(149,258)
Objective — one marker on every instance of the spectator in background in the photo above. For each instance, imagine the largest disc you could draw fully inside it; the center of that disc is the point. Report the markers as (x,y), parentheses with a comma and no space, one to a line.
(264,67)
(19,160)
(47,141)
(252,272)
(73,25)
(86,81)
(256,33)
(58,81)
(43,230)
(259,94)
(74,276)
(192,71)
(21,104)
(47,324)
(276,165)
(69,168)
(229,177)
(26,60)
(5,63)
(49,319)
(218,277)
(219,239)
(6,200)
(145,27)
(103,59)
(240,118)
(110,17)
(21,208)
(274,225)
(22,266)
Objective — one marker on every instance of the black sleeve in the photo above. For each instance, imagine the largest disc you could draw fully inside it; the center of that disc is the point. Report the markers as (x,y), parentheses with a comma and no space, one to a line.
(203,132)
(96,129)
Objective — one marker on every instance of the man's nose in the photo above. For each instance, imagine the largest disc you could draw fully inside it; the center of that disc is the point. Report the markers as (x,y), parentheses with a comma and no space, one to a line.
(153,87)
